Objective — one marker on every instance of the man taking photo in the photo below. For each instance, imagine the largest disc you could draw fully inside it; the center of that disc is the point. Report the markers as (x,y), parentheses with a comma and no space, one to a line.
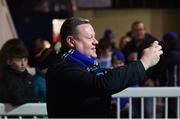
(76,86)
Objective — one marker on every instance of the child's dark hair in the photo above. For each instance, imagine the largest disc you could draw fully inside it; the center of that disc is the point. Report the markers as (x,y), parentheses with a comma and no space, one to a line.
(16,52)
(13,48)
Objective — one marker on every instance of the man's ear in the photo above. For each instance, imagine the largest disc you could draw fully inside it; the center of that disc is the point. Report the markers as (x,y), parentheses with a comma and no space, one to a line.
(70,41)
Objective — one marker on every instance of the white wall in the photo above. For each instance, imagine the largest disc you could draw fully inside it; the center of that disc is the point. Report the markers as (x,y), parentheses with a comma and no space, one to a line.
(7,29)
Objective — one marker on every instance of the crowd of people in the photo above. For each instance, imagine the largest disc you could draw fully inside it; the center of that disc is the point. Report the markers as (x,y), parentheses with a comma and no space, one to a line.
(130,47)
(70,68)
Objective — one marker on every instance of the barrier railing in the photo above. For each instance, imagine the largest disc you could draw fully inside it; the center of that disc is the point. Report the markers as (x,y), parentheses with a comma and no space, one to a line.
(29,109)
(39,109)
(151,92)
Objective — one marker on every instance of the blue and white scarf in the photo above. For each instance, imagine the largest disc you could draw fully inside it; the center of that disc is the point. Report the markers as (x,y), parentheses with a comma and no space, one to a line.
(87,63)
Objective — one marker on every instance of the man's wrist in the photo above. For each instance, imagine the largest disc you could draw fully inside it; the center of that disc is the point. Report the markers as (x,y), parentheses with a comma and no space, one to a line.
(144,64)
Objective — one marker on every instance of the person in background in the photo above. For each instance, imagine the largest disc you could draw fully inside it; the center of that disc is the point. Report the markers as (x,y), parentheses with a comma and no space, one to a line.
(109,35)
(17,83)
(133,50)
(105,51)
(171,68)
(44,57)
(3,63)
(172,58)
(140,39)
(39,77)
(118,60)
(124,40)
(132,55)
(40,84)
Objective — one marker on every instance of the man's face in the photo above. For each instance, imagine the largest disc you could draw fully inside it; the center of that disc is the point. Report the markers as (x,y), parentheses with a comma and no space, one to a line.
(19,64)
(86,42)
(138,31)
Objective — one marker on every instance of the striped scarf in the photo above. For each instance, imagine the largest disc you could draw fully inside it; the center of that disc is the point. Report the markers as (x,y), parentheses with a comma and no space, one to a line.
(87,63)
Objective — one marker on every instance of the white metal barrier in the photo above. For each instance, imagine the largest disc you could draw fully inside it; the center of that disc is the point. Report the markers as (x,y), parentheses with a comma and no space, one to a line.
(149,92)
(29,109)
(39,109)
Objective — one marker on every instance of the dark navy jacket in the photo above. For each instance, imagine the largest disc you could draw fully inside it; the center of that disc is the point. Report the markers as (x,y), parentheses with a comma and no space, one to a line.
(17,87)
(74,92)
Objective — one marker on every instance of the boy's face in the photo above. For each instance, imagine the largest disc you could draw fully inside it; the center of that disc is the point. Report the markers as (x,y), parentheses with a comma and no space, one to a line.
(118,63)
(19,64)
